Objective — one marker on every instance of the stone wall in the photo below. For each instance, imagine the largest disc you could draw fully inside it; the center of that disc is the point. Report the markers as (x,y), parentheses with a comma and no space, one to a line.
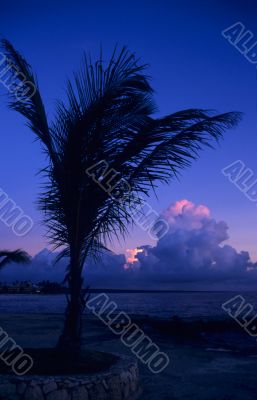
(119,382)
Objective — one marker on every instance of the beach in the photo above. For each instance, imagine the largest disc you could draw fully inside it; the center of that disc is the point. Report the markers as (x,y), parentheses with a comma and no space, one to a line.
(210,365)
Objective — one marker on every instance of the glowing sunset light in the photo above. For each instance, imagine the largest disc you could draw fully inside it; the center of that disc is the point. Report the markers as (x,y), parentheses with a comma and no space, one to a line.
(184,206)
(131,258)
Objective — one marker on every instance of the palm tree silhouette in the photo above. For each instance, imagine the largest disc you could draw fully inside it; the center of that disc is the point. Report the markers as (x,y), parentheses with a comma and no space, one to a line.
(108,115)
(16,256)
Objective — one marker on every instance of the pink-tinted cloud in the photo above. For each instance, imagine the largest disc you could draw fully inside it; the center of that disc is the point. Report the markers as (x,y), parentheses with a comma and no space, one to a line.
(186,215)
(132,260)
(193,254)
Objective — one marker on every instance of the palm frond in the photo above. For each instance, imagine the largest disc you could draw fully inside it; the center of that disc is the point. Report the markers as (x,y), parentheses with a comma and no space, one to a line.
(27,102)
(108,115)
(17,256)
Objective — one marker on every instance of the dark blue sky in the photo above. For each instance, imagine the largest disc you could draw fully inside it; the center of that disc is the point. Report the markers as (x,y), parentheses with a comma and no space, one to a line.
(191,65)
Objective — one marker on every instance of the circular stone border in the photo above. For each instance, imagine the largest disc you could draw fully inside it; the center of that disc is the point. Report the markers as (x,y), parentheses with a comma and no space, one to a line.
(119,382)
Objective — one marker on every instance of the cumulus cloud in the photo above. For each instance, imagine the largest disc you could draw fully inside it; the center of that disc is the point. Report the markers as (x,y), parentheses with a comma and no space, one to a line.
(193,249)
(192,255)
(44,267)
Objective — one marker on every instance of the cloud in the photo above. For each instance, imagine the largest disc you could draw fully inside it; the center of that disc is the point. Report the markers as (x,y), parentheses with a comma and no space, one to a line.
(193,250)
(192,255)
(42,267)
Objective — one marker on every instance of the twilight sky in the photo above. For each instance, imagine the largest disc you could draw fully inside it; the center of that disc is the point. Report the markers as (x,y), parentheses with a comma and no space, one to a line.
(191,65)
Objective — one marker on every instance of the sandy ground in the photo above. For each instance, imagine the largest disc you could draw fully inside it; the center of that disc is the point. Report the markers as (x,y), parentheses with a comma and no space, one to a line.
(194,372)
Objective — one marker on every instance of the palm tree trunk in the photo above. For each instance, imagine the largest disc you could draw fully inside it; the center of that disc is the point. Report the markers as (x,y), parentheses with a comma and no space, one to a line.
(70,339)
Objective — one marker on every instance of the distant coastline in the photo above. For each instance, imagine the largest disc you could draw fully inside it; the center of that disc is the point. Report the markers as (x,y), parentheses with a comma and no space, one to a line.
(47,287)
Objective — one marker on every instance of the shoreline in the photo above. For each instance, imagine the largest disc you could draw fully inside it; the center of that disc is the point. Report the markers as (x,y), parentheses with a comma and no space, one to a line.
(115,291)
(197,362)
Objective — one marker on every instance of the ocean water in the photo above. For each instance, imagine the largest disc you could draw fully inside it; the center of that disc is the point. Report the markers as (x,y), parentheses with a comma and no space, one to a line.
(182,304)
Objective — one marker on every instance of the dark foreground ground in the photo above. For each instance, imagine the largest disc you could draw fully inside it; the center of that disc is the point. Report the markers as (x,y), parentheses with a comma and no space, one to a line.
(209,360)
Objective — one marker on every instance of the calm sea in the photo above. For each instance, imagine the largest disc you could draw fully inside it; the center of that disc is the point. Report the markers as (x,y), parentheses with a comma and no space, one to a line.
(183,304)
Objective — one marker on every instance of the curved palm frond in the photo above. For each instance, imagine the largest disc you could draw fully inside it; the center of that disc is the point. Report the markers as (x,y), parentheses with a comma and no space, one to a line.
(109,115)
(30,104)
(16,256)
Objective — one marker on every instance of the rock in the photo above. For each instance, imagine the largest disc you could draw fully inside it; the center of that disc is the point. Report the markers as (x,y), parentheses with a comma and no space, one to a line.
(97,392)
(85,381)
(71,384)
(133,385)
(67,384)
(7,389)
(105,384)
(114,384)
(100,391)
(58,395)
(126,390)
(49,387)
(21,388)
(33,393)
(33,383)
(80,393)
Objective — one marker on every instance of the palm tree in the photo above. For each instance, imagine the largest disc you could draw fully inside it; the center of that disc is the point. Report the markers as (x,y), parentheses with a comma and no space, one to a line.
(15,256)
(108,115)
